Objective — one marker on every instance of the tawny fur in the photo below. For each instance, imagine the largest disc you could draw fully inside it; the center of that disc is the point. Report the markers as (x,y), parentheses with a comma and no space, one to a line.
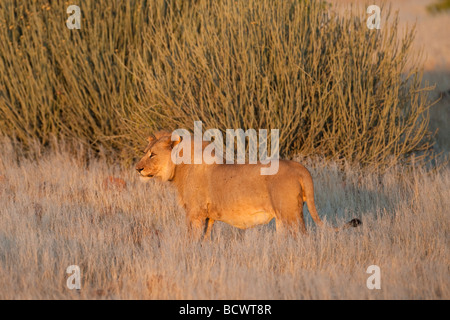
(236,194)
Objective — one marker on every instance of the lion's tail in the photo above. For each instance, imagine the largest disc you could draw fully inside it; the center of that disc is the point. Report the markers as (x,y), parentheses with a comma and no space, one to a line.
(308,196)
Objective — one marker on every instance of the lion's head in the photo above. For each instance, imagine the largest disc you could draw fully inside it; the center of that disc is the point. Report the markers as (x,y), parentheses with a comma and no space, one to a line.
(157,159)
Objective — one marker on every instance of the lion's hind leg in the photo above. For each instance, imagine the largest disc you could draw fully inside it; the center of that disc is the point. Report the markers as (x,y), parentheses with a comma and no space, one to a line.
(288,214)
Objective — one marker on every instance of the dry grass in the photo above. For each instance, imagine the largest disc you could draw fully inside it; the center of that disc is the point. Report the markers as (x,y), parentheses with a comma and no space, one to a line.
(131,241)
(433,41)
(129,238)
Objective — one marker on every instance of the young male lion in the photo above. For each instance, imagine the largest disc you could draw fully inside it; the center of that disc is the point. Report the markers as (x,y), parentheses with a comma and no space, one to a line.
(233,193)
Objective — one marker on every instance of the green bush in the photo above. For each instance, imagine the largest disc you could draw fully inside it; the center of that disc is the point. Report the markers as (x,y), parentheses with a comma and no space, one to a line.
(439,6)
(332,86)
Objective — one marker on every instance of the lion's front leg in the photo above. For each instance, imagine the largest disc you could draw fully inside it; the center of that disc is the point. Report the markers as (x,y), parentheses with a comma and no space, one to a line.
(195,227)
(196,221)
(209,224)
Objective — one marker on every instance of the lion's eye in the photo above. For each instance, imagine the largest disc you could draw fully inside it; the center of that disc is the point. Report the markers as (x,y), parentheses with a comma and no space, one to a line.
(151,155)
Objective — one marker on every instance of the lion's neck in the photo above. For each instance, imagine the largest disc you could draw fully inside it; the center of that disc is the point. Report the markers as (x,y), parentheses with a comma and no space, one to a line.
(179,177)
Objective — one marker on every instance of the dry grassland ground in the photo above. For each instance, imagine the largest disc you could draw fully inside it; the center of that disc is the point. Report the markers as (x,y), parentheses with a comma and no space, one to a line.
(130,239)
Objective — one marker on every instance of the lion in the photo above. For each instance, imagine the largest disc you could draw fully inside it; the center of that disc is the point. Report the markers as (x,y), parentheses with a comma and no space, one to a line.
(236,194)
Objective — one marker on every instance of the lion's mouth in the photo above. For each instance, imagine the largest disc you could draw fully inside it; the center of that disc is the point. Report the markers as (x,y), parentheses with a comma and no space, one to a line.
(145,175)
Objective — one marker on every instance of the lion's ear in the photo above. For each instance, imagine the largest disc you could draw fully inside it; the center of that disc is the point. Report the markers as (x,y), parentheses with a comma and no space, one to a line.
(172,143)
(151,139)
(176,141)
